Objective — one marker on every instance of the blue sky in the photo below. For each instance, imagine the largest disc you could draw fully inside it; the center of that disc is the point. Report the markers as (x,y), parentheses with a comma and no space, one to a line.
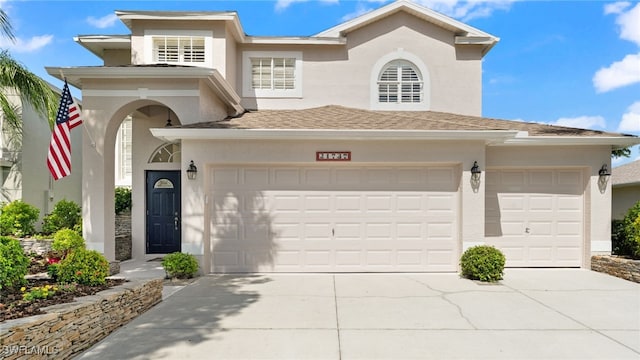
(574,63)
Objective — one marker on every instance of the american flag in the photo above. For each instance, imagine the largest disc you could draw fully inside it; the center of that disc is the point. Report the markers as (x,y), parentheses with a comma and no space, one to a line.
(59,157)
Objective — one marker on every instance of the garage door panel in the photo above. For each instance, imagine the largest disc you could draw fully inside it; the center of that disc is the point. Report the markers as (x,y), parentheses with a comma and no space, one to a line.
(536,216)
(319,219)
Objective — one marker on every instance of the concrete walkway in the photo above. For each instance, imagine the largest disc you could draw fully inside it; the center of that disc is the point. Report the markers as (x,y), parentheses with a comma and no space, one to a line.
(531,314)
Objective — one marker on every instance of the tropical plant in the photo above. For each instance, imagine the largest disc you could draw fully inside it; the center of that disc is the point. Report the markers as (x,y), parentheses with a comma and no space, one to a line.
(31,88)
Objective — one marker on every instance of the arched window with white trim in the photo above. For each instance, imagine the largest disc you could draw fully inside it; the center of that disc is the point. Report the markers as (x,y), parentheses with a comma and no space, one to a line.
(400,82)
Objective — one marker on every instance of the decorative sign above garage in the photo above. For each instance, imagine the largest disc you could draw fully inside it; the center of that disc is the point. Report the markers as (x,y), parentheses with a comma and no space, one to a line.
(333,155)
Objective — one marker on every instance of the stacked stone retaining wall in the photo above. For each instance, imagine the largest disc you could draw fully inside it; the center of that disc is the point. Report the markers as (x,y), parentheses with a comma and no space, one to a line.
(627,269)
(67,329)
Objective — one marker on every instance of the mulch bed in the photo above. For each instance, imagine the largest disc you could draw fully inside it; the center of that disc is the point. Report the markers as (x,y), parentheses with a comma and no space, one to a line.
(12,306)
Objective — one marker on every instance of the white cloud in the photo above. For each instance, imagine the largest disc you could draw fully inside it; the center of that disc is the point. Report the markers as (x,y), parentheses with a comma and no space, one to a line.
(26,45)
(281,5)
(616,8)
(626,71)
(466,10)
(629,23)
(619,74)
(582,122)
(361,9)
(630,122)
(103,22)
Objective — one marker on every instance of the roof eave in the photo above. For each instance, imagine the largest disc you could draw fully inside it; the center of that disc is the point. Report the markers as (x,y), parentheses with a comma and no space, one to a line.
(614,141)
(174,134)
(295,40)
(74,75)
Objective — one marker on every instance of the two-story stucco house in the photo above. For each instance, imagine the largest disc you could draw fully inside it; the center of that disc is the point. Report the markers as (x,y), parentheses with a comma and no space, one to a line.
(361,148)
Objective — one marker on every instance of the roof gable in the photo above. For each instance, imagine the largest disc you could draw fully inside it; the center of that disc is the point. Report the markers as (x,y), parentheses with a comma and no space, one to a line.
(465,34)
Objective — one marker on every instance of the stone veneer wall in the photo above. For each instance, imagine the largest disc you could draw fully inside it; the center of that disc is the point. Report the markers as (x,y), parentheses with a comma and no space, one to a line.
(619,267)
(67,329)
(123,236)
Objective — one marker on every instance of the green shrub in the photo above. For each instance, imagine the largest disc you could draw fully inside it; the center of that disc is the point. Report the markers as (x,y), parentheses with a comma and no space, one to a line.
(14,264)
(82,266)
(65,214)
(18,218)
(66,240)
(52,271)
(624,234)
(123,199)
(484,263)
(180,265)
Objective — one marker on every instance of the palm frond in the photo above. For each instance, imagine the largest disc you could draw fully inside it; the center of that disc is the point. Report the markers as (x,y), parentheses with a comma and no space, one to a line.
(6,27)
(33,89)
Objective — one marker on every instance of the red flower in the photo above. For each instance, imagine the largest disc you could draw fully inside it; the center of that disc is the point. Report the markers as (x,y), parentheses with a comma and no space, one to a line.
(53,260)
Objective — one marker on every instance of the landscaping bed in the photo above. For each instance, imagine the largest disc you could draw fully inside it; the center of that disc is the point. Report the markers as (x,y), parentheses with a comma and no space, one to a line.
(13,306)
(65,330)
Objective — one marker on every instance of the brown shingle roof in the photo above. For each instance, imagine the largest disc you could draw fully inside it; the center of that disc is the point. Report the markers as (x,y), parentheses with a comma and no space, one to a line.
(335,117)
(626,174)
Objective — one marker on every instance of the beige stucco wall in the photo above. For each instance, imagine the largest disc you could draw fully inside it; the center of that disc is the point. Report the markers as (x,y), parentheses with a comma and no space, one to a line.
(597,195)
(107,102)
(116,57)
(207,154)
(623,198)
(341,75)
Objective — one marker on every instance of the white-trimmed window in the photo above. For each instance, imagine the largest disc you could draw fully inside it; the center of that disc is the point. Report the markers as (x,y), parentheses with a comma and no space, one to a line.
(400,82)
(180,47)
(123,160)
(272,74)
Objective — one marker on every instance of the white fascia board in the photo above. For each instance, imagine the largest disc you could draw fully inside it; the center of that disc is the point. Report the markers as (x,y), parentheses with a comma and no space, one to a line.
(75,74)
(295,40)
(174,134)
(96,44)
(619,141)
(226,92)
(127,16)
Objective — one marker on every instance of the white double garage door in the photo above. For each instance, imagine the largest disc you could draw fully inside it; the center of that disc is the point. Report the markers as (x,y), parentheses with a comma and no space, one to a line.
(337,219)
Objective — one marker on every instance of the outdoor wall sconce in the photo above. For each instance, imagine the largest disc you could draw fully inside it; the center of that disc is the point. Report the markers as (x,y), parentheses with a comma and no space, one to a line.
(475,171)
(192,171)
(168,124)
(604,172)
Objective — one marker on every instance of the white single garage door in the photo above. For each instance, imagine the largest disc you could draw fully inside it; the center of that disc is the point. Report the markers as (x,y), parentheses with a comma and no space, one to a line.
(536,217)
(334,219)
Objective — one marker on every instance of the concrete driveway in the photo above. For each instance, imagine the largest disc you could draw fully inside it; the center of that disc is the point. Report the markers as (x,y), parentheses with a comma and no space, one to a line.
(532,314)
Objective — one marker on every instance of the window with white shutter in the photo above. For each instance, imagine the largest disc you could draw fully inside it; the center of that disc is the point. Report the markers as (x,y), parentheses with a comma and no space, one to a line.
(179,47)
(272,74)
(400,82)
